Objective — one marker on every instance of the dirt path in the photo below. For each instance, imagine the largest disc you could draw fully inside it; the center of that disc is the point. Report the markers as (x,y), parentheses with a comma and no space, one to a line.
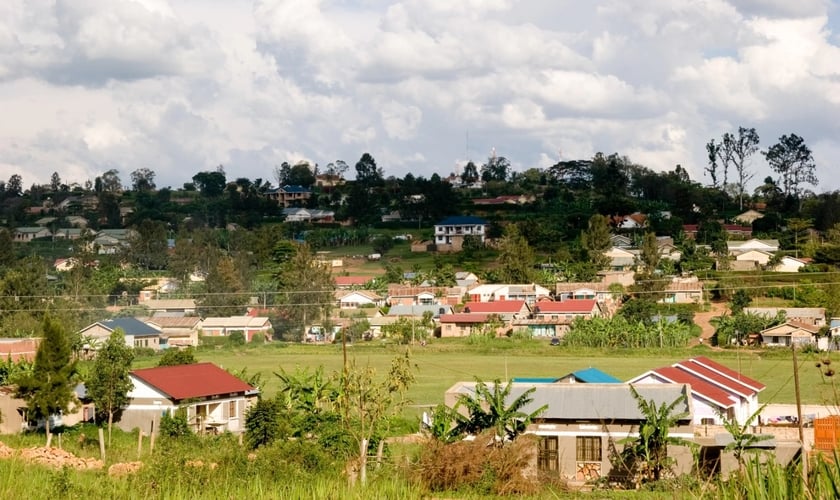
(703,320)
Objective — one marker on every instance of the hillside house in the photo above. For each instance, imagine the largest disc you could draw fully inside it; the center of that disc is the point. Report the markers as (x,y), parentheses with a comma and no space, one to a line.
(170,307)
(683,291)
(789,264)
(450,232)
(553,319)
(739,247)
(529,293)
(354,299)
(423,295)
(215,400)
(176,332)
(290,196)
(808,315)
(790,333)
(506,310)
(466,324)
(27,234)
(351,282)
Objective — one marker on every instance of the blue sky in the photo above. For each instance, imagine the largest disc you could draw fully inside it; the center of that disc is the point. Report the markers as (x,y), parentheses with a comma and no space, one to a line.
(181,86)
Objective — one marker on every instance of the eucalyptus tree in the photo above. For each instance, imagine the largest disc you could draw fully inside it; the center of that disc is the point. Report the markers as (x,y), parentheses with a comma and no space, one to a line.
(793,160)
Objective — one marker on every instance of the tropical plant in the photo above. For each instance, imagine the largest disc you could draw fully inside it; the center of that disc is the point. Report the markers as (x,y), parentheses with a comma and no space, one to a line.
(742,440)
(492,408)
(262,423)
(646,455)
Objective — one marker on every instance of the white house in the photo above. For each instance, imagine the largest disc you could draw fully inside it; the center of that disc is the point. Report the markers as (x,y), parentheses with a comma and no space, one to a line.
(352,299)
(215,400)
(450,232)
(760,257)
(715,389)
(248,325)
(501,292)
(789,264)
(736,247)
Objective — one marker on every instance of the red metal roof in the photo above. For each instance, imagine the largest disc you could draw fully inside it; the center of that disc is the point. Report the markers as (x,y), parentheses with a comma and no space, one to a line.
(351,280)
(701,387)
(498,306)
(198,380)
(567,306)
(732,374)
(715,378)
(463,318)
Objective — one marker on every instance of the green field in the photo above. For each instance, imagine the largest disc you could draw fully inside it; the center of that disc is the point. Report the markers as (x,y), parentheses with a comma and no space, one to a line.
(444,362)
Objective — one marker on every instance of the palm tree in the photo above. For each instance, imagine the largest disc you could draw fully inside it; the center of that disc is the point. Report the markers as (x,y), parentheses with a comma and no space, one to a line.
(489,409)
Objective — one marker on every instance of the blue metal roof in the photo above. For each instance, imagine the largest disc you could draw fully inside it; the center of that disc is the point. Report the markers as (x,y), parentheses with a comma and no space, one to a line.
(296,189)
(595,376)
(461,220)
(535,380)
(131,326)
(835,322)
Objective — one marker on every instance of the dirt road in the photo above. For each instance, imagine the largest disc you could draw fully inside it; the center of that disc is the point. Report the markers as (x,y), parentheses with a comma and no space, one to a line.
(703,320)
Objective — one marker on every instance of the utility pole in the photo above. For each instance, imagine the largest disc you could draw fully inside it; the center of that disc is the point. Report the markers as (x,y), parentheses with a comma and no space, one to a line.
(803,454)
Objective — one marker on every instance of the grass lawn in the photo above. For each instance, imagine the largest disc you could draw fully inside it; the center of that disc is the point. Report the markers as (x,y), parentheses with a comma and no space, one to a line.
(444,362)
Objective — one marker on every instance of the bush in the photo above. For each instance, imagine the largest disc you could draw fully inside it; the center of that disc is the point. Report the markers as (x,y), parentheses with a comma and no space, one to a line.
(175,426)
(175,356)
(236,338)
(262,423)
(258,338)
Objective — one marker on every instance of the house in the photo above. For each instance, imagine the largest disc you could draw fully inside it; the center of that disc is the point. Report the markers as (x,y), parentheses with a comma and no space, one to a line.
(584,423)
(808,315)
(68,233)
(465,324)
(506,310)
(77,221)
(620,241)
(552,319)
(636,220)
(450,232)
(45,221)
(598,291)
(504,292)
(621,259)
(512,199)
(418,311)
(715,389)
(748,217)
(161,286)
(111,241)
(14,412)
(465,279)
(287,196)
(759,257)
(137,333)
(176,332)
(423,295)
(348,282)
(170,307)
(790,333)
(789,264)
(732,230)
(297,214)
(248,325)
(684,291)
(27,234)
(18,349)
(353,299)
(738,247)
(215,400)
(64,265)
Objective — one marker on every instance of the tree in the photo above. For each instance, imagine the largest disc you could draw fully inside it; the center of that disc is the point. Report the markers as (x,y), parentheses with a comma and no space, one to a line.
(262,423)
(143,179)
(596,240)
(740,299)
(15,185)
(649,255)
(148,247)
(55,182)
(301,174)
(174,357)
(49,389)
(306,289)
(225,293)
(470,173)
(367,173)
(110,181)
(516,258)
(713,149)
(647,454)
(793,160)
(108,383)
(497,168)
(493,408)
(743,147)
(211,184)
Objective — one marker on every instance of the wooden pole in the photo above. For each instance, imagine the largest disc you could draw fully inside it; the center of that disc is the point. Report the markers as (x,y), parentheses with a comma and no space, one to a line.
(152,437)
(102,444)
(804,454)
(139,443)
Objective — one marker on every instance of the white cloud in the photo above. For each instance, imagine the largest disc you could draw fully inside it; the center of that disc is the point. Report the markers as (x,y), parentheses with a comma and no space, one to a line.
(181,86)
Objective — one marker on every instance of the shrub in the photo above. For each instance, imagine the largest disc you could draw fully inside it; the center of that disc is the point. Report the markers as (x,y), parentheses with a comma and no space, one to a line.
(262,423)
(258,338)
(175,426)
(236,338)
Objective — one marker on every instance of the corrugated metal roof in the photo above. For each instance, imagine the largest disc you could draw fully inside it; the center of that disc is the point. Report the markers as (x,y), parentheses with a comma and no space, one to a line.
(461,220)
(499,306)
(732,374)
(463,318)
(198,380)
(566,306)
(598,402)
(130,326)
(716,379)
(698,385)
(595,376)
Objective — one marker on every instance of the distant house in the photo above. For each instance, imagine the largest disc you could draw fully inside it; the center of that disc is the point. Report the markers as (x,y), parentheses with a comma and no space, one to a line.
(748,217)
(352,299)
(789,264)
(297,214)
(739,247)
(577,433)
(215,400)
(530,293)
(621,259)
(64,265)
(506,310)
(423,295)
(45,221)
(176,332)
(247,325)
(112,241)
(27,234)
(464,324)
(552,319)
(288,196)
(170,307)
(588,290)
(513,199)
(790,333)
(137,333)
(620,241)
(418,311)
(684,291)
(450,232)
(809,315)
(348,282)
(758,257)
(733,230)
(465,278)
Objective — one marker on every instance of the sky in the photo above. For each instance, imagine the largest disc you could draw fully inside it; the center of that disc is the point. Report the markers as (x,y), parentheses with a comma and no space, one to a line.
(182,86)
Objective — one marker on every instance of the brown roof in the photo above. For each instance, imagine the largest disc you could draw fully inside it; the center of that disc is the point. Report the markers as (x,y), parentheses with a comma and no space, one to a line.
(198,380)
(499,306)
(463,318)
(174,322)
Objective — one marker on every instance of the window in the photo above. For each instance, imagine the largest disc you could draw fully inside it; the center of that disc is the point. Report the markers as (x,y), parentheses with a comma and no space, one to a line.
(232,409)
(547,458)
(707,421)
(588,449)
